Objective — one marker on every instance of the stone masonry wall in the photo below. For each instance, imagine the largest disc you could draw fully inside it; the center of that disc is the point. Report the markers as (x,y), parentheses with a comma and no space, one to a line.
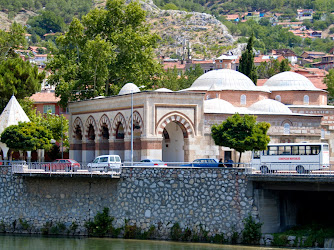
(215,198)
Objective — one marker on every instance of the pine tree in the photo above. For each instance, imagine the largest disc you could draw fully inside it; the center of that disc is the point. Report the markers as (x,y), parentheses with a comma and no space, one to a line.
(247,65)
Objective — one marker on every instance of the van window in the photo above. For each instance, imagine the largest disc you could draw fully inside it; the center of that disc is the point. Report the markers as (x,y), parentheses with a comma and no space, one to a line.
(96,160)
(104,159)
(118,159)
(112,159)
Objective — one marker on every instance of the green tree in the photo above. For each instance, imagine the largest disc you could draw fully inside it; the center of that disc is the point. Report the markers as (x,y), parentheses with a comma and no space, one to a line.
(329,81)
(11,40)
(46,22)
(284,66)
(101,53)
(241,133)
(19,78)
(26,136)
(57,124)
(247,65)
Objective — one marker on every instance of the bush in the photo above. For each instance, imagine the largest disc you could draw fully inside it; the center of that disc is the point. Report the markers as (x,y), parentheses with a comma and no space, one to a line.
(252,231)
(280,240)
(176,232)
(101,225)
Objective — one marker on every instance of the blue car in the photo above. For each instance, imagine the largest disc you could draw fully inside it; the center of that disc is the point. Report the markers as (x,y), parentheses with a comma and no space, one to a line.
(204,163)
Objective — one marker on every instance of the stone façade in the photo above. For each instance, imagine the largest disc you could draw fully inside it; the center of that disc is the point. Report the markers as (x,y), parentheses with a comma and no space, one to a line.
(214,198)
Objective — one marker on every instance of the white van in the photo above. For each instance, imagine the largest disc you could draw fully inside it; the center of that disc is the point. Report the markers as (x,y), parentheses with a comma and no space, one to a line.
(105,163)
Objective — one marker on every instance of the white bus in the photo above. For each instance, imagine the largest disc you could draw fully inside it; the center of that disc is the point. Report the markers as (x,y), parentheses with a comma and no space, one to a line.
(300,157)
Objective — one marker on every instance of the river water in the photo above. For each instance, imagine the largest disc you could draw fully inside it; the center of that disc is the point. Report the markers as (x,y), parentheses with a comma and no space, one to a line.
(10,242)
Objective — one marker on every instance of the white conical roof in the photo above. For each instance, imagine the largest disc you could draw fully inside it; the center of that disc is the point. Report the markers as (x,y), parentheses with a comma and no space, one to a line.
(12,114)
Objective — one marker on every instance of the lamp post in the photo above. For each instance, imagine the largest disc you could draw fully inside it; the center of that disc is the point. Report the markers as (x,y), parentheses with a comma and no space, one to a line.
(131,127)
(62,146)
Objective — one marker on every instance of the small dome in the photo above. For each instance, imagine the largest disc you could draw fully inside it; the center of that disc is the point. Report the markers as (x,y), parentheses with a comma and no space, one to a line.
(223,79)
(163,90)
(128,89)
(218,106)
(270,106)
(289,81)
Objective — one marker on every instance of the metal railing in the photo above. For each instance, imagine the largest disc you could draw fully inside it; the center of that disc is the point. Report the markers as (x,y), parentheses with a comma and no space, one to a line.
(263,169)
(56,168)
(292,169)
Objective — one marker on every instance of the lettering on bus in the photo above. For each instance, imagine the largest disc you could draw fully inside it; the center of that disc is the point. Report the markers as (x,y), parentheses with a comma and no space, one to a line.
(289,158)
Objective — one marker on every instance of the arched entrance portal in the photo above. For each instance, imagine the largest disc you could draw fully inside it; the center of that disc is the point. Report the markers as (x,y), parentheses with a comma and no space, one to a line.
(173,143)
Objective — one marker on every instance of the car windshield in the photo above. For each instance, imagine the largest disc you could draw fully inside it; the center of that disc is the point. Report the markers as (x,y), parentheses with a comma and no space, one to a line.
(156,161)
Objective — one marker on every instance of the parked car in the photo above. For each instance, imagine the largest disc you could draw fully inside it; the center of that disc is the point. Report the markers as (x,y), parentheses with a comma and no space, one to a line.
(152,162)
(62,165)
(105,163)
(204,163)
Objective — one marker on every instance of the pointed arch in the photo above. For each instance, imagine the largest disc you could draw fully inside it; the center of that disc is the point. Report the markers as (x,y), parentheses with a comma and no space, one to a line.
(104,121)
(137,119)
(77,124)
(119,119)
(90,123)
(182,120)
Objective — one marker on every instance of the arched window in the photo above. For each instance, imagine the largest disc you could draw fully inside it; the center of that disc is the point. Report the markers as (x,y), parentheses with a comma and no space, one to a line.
(278,98)
(243,100)
(306,99)
(286,128)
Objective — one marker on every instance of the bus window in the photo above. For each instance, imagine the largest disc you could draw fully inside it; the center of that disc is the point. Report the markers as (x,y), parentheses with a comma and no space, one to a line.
(308,150)
(256,154)
(325,147)
(272,150)
(294,150)
(287,150)
(280,150)
(302,150)
(315,150)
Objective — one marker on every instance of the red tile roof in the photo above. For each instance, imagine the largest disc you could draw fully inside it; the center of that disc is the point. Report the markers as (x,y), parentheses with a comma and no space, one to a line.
(45,97)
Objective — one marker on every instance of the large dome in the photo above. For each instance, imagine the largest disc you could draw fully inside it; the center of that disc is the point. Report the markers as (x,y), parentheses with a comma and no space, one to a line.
(128,89)
(270,106)
(289,81)
(223,79)
(218,106)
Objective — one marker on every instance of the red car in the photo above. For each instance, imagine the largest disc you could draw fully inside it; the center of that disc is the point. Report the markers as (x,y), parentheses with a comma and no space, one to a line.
(63,165)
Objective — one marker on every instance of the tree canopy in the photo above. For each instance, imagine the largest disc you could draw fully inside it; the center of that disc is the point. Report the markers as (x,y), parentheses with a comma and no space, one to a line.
(241,133)
(56,124)
(101,53)
(19,78)
(173,80)
(329,81)
(268,69)
(46,22)
(26,136)
(11,40)
(247,65)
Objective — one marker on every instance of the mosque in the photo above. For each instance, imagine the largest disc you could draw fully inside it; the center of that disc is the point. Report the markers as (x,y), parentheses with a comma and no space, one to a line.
(176,126)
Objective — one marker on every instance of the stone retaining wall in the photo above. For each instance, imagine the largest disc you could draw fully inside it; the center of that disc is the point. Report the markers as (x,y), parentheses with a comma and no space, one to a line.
(213,198)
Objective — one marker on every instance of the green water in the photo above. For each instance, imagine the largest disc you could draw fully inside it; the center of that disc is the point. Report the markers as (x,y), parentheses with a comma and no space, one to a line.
(9,242)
